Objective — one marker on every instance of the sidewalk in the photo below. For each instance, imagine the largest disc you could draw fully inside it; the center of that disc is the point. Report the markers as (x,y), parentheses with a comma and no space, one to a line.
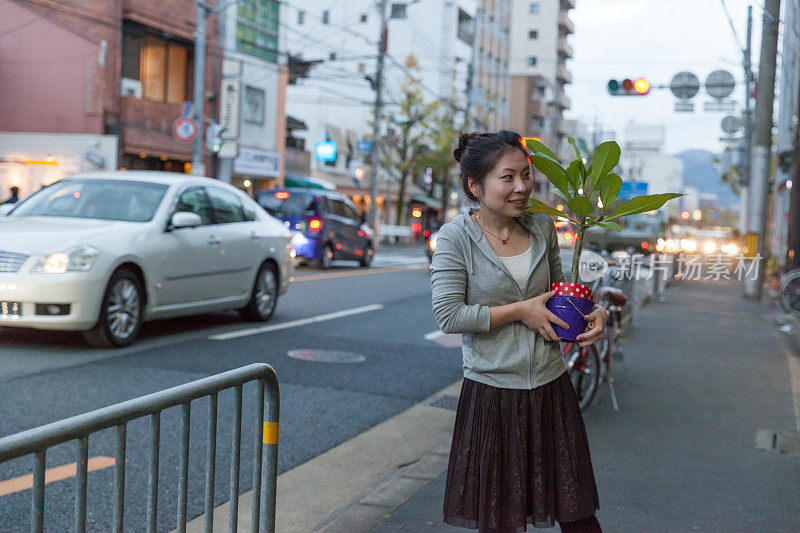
(705,392)
(707,437)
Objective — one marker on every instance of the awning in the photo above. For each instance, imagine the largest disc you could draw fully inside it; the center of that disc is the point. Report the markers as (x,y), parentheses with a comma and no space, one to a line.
(335,134)
(427,200)
(305,182)
(295,123)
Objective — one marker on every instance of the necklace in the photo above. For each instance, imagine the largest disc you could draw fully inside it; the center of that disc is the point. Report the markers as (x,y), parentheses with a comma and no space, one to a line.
(504,241)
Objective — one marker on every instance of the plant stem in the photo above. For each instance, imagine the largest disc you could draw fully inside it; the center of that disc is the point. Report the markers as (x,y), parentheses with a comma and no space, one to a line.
(576,256)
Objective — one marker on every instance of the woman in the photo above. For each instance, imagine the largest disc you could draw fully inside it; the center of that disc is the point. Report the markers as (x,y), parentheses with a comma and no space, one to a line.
(520,453)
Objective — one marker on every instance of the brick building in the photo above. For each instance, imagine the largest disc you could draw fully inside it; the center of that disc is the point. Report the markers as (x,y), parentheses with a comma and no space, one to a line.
(99,68)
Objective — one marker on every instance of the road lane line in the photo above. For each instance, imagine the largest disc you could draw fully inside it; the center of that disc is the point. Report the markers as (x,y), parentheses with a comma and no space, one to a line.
(57,473)
(433,335)
(295,323)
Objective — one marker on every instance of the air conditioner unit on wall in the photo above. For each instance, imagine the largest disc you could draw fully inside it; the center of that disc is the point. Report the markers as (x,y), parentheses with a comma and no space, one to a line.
(130,87)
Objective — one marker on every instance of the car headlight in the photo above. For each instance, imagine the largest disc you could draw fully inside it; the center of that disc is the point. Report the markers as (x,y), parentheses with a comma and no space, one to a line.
(432,244)
(78,259)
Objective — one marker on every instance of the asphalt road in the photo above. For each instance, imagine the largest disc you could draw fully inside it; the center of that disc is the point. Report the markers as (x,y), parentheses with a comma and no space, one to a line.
(49,376)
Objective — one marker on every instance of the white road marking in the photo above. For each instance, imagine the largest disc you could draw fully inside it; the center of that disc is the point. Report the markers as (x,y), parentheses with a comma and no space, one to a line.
(433,335)
(296,323)
(794,376)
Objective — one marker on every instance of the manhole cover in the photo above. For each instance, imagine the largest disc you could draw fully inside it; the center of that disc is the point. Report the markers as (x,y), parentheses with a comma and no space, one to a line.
(326,356)
(446,402)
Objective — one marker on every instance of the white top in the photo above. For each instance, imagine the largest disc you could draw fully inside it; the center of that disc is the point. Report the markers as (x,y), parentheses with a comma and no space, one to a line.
(518,266)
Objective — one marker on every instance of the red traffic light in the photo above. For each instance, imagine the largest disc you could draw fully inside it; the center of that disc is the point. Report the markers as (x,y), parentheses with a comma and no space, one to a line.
(358,173)
(627,84)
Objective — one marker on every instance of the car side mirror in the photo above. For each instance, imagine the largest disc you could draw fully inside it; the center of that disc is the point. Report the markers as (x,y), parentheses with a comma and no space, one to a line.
(6,209)
(184,219)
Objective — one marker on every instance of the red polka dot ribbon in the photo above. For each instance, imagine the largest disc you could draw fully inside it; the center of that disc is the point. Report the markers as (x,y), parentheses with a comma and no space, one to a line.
(564,288)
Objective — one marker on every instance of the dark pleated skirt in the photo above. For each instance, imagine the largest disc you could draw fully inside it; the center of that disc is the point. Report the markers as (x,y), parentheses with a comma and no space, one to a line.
(519,457)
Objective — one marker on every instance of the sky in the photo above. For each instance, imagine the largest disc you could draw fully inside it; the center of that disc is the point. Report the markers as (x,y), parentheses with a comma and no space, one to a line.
(656,39)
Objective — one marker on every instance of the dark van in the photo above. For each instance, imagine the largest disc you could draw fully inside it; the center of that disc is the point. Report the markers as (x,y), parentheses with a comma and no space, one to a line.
(326,225)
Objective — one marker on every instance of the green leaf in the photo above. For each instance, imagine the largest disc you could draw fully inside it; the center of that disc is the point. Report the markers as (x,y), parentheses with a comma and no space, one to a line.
(574,175)
(581,206)
(554,172)
(561,195)
(609,186)
(642,204)
(537,206)
(578,155)
(605,158)
(610,225)
(537,147)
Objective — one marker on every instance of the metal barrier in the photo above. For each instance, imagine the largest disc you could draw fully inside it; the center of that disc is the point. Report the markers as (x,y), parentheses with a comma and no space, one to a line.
(265,456)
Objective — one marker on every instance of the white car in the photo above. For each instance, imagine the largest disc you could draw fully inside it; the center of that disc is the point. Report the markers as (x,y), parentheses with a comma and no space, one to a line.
(102,252)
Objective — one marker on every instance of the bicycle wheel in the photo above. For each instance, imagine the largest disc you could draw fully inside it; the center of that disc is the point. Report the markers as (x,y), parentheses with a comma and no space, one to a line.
(583,365)
(790,293)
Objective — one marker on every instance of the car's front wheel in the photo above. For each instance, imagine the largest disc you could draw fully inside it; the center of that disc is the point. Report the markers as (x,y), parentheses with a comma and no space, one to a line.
(121,312)
(264,296)
(366,257)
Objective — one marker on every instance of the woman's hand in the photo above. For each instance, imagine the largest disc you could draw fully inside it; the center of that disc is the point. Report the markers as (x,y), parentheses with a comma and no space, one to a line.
(597,324)
(537,317)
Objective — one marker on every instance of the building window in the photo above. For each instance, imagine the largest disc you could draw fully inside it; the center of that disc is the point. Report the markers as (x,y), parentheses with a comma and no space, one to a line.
(465,27)
(164,67)
(363,17)
(301,17)
(531,61)
(326,17)
(537,123)
(254,105)
(398,11)
(534,8)
(257,29)
(533,34)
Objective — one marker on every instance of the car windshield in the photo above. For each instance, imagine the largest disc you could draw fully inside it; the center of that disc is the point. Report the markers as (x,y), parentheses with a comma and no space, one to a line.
(129,201)
(287,203)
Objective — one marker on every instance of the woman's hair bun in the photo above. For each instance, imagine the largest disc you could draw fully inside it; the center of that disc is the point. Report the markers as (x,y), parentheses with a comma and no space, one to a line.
(463,141)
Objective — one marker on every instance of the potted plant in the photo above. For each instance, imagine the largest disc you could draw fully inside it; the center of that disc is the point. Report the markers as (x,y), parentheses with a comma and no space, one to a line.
(589,198)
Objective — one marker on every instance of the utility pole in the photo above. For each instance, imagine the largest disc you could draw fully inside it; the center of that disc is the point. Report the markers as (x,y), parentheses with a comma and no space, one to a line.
(471,72)
(376,126)
(760,170)
(793,237)
(747,137)
(786,113)
(199,86)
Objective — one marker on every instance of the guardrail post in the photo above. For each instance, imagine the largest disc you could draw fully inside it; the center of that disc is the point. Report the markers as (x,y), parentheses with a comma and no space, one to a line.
(269,492)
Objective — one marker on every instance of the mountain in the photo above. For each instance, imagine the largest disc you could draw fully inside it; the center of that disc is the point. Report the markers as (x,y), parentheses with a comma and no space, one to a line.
(700,172)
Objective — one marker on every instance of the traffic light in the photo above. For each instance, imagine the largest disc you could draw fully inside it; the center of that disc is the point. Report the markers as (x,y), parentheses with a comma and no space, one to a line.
(213,139)
(629,87)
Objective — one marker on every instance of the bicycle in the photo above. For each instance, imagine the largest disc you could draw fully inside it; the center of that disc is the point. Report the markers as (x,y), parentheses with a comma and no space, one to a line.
(589,366)
(789,292)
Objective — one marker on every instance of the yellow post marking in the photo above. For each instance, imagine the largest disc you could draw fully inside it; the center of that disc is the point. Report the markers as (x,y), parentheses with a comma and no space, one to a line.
(270,433)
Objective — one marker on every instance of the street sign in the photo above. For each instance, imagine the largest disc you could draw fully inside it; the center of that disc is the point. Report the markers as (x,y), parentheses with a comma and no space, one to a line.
(683,106)
(184,129)
(684,85)
(730,124)
(630,189)
(727,106)
(364,146)
(325,151)
(720,84)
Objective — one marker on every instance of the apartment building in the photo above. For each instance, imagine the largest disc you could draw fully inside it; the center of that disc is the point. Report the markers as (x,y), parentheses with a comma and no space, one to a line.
(538,66)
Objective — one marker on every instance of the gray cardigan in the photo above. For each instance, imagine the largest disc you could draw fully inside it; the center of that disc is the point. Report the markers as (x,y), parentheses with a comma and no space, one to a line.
(467,277)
